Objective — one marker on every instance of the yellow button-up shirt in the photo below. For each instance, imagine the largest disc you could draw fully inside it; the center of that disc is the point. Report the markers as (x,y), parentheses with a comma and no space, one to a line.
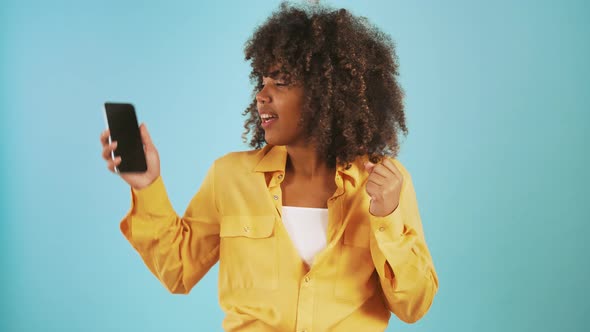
(370,267)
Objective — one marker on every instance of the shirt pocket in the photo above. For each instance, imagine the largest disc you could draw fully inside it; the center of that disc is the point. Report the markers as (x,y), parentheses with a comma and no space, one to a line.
(356,281)
(248,253)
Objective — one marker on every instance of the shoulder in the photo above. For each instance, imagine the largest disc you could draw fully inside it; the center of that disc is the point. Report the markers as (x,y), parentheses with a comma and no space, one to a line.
(241,160)
(400,166)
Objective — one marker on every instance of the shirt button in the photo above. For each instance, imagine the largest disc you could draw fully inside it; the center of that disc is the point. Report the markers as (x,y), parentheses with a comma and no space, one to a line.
(381,229)
(280,176)
(246,229)
(307,278)
(276,197)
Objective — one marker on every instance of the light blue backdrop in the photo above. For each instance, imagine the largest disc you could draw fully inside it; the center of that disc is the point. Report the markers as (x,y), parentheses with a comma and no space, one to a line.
(497,107)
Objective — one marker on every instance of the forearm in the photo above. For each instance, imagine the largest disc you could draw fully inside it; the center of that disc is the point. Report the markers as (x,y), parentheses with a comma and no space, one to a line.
(404,265)
(178,251)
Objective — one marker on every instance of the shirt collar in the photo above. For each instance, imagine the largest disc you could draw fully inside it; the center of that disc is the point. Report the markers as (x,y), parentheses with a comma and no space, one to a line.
(274,159)
(352,170)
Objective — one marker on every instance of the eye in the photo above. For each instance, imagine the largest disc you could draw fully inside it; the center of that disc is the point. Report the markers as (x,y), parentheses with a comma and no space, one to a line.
(275,82)
(282,83)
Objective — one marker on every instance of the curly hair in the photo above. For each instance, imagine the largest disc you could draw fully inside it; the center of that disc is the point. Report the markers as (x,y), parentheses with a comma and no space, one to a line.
(353,104)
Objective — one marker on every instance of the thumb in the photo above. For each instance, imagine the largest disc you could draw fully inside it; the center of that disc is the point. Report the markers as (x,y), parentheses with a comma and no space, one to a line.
(369,166)
(145,136)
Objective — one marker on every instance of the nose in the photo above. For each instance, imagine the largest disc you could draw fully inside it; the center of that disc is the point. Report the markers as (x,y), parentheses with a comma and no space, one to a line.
(262,97)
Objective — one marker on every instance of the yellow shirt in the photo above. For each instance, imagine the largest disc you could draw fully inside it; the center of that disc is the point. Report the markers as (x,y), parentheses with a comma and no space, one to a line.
(370,267)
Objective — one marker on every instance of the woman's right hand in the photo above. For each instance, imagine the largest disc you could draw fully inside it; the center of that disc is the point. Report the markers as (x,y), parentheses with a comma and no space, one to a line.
(134,179)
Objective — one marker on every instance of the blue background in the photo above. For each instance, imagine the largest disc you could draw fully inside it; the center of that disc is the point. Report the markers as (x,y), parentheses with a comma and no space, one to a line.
(497,107)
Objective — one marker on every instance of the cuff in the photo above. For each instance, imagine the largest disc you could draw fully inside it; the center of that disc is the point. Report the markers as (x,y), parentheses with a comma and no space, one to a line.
(392,247)
(389,228)
(152,200)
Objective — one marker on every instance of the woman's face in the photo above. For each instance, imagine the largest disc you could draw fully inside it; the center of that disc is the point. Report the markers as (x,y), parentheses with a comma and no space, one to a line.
(279,104)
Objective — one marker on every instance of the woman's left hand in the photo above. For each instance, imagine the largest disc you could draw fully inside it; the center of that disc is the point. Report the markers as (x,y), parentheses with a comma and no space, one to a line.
(384,186)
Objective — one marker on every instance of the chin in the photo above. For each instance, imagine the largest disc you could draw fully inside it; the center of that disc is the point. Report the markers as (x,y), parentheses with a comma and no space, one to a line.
(273,140)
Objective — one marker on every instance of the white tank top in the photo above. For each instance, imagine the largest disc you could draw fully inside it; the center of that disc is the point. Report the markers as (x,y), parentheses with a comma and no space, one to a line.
(307,228)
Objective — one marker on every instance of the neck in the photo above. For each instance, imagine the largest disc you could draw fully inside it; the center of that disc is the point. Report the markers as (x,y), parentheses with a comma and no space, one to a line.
(304,161)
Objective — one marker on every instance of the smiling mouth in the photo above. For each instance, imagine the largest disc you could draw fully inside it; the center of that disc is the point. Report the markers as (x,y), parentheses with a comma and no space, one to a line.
(267,118)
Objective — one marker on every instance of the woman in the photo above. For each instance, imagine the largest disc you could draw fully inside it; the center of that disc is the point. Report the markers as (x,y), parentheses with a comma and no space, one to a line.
(318,228)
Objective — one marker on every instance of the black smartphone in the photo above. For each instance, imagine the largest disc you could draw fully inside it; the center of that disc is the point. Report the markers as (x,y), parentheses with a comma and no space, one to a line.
(121,120)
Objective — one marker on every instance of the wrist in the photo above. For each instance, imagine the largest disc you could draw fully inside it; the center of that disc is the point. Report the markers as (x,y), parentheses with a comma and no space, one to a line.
(143,185)
(383,212)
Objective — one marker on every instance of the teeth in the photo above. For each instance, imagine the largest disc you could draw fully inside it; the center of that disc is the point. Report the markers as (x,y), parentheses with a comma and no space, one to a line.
(267,116)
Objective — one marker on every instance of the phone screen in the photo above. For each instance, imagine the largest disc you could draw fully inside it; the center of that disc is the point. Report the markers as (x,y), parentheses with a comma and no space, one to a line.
(123,126)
